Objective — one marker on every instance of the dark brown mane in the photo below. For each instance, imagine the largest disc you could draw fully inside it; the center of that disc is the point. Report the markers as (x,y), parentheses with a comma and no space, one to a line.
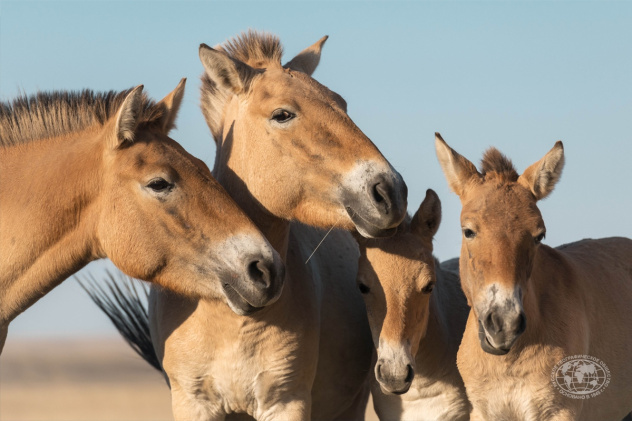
(51,114)
(495,162)
(257,49)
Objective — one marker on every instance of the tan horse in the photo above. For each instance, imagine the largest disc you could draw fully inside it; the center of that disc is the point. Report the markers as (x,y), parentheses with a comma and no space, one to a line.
(533,305)
(88,176)
(417,313)
(289,154)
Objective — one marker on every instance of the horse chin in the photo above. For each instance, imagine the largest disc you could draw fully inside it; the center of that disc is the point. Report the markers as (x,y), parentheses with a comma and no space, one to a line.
(237,303)
(486,345)
(388,391)
(367,229)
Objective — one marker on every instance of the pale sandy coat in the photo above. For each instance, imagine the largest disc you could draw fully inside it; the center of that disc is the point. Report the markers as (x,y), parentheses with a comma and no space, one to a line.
(287,151)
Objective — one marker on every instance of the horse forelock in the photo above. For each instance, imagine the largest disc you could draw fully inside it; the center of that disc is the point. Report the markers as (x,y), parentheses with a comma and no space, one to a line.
(51,114)
(494,162)
(257,49)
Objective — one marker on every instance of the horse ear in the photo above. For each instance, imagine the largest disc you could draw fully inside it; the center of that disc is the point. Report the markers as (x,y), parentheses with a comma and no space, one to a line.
(425,222)
(307,60)
(226,72)
(457,169)
(127,117)
(542,176)
(171,105)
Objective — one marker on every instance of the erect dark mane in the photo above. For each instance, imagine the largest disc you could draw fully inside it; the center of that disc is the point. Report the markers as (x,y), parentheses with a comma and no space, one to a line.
(257,49)
(51,114)
(495,162)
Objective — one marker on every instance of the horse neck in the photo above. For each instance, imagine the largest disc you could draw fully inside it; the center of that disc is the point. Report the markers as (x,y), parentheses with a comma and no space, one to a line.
(275,229)
(548,289)
(47,187)
(436,357)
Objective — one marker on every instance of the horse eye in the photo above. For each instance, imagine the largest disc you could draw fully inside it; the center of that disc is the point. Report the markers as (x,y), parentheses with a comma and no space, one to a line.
(364,289)
(282,116)
(539,238)
(428,288)
(468,233)
(159,185)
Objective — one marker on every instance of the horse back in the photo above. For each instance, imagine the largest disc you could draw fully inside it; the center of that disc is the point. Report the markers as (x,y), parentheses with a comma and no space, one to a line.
(602,271)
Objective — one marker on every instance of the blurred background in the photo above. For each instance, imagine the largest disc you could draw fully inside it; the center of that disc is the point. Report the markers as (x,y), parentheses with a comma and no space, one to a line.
(515,75)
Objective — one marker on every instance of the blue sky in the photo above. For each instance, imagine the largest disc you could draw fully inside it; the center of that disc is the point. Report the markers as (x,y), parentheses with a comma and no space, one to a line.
(515,75)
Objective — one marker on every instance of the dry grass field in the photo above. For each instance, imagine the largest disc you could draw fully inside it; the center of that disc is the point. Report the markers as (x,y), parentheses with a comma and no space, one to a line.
(72,380)
(79,380)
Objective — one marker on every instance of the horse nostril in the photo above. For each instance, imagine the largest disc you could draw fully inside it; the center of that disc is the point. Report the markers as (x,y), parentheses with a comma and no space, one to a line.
(260,272)
(378,371)
(410,375)
(522,323)
(380,194)
(493,323)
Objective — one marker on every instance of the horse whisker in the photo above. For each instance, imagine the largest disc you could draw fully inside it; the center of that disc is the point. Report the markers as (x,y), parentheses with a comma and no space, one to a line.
(321,241)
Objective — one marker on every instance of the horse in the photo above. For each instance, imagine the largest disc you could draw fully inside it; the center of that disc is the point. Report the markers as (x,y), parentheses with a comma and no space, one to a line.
(417,313)
(295,162)
(535,309)
(119,188)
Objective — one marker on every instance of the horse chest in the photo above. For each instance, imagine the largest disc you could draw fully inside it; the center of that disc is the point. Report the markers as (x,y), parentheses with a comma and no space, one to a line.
(504,388)
(439,401)
(246,372)
(517,399)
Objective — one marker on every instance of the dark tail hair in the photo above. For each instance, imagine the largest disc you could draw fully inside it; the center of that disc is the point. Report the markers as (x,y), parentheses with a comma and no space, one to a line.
(123,304)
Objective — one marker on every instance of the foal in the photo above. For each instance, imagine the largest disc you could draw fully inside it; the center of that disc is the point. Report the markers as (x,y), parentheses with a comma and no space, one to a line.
(532,305)
(417,314)
(88,176)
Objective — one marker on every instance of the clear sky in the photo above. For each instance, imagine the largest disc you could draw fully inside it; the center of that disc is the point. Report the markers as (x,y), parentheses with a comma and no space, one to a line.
(515,75)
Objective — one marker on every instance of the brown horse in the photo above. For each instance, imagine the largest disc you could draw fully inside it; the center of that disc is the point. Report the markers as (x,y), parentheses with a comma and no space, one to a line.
(532,305)
(88,176)
(417,313)
(290,155)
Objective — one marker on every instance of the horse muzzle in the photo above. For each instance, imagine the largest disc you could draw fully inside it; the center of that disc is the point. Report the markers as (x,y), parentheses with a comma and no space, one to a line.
(498,332)
(377,202)
(394,378)
(259,285)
